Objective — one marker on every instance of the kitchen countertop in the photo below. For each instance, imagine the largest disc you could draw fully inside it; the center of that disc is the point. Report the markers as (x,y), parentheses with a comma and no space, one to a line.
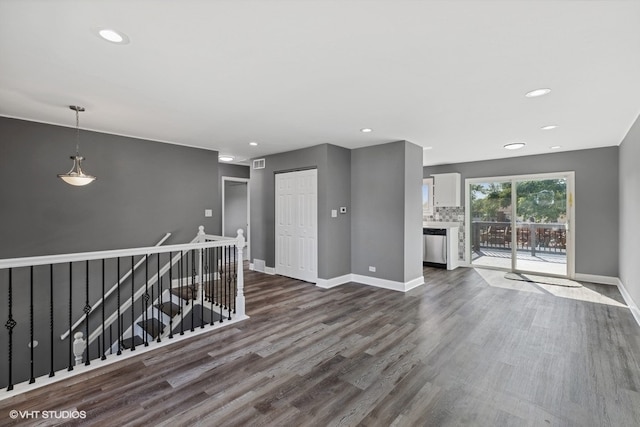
(436,224)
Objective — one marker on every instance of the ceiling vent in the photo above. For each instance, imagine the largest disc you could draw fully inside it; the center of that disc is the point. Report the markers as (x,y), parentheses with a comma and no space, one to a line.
(258,164)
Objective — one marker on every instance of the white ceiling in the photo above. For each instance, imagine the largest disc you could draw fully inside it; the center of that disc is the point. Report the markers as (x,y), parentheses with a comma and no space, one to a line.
(290,74)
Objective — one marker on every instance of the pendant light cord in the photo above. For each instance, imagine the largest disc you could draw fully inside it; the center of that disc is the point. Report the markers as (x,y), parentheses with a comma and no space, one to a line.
(77,133)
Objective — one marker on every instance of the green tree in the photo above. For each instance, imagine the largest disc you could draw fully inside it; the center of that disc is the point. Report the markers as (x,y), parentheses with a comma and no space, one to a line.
(544,200)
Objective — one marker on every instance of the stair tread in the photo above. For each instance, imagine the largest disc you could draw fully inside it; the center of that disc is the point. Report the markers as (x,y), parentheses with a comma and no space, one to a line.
(153,327)
(169,308)
(126,343)
(186,292)
(197,322)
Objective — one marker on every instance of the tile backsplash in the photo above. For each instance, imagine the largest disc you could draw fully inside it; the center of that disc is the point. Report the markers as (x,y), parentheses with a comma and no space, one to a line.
(450,214)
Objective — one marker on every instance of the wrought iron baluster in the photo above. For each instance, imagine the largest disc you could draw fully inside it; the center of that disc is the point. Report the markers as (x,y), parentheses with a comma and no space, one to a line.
(170,295)
(32,379)
(103,356)
(133,317)
(145,318)
(193,284)
(51,372)
(223,272)
(234,283)
(119,316)
(70,368)
(153,324)
(159,305)
(229,279)
(10,324)
(201,289)
(181,273)
(87,310)
(212,273)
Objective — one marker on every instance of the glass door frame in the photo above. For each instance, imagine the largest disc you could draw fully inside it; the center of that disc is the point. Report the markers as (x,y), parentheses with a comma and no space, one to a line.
(570,202)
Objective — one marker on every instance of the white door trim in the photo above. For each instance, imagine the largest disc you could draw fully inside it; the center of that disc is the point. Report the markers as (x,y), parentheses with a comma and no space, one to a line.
(248,236)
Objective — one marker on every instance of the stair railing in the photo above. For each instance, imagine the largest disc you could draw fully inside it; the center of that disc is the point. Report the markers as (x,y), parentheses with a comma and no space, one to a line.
(34,311)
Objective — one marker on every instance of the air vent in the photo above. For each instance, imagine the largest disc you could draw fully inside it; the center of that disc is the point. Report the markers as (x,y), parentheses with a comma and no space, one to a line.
(258,164)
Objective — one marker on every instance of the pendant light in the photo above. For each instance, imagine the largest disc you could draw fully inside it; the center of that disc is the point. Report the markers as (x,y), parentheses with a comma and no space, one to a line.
(75,176)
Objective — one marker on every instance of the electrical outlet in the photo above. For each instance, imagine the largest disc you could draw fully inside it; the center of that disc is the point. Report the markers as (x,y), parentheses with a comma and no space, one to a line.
(437,216)
(208,213)
(372,269)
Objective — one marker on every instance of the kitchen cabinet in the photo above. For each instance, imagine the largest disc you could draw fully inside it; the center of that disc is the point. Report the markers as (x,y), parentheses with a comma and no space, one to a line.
(446,189)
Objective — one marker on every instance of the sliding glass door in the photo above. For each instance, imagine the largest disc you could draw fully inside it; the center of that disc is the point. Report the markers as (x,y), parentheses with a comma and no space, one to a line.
(521,223)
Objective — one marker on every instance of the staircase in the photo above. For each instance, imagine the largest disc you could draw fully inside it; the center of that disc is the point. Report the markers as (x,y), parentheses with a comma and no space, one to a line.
(180,310)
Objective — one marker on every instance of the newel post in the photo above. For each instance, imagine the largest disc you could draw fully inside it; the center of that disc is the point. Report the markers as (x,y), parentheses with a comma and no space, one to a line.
(240,242)
(79,345)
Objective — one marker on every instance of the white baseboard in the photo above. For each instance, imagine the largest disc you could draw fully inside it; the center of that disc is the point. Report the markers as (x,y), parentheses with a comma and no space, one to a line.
(630,302)
(333,282)
(270,270)
(259,265)
(388,284)
(371,281)
(593,278)
(251,266)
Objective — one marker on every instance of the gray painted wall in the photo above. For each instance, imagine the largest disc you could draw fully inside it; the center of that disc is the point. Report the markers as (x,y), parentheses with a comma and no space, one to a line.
(630,212)
(386,224)
(337,255)
(331,238)
(143,190)
(596,197)
(413,212)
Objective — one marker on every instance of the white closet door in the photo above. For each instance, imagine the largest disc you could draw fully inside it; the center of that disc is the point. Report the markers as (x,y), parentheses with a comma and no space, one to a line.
(297,225)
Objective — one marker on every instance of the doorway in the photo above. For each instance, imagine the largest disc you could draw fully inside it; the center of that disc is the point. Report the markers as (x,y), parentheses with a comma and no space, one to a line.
(297,224)
(235,209)
(522,223)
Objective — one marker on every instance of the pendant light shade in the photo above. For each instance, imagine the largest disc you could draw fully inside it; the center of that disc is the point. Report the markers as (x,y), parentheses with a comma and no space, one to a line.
(76,176)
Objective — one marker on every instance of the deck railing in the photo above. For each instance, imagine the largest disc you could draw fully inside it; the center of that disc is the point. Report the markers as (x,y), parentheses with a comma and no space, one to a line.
(175,288)
(530,236)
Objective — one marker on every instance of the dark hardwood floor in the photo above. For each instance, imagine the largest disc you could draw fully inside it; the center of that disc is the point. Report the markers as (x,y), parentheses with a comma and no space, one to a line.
(467,348)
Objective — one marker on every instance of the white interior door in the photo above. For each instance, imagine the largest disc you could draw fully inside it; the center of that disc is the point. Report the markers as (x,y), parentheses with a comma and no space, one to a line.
(297,225)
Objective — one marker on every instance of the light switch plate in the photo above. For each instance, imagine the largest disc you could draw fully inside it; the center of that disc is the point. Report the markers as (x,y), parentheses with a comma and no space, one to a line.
(334,213)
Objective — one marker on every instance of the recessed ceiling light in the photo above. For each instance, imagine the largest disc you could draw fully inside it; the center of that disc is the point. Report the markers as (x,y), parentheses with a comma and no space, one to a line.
(113,36)
(427,148)
(225,158)
(537,92)
(555,147)
(253,144)
(366,130)
(515,145)
(549,127)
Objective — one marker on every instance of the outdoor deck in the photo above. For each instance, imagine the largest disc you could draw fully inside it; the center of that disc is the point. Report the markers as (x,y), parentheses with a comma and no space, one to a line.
(541,262)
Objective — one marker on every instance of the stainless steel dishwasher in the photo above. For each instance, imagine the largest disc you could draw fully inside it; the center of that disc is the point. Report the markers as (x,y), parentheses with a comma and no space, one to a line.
(435,247)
